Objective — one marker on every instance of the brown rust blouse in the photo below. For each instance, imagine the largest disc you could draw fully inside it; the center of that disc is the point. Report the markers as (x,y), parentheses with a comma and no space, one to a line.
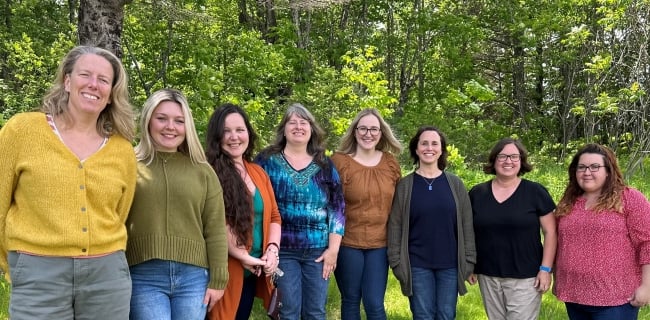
(368,193)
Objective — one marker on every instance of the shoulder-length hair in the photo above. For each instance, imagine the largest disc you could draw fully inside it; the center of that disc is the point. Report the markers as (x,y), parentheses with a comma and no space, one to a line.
(117,117)
(239,207)
(611,196)
(413,146)
(315,146)
(498,147)
(387,141)
(145,150)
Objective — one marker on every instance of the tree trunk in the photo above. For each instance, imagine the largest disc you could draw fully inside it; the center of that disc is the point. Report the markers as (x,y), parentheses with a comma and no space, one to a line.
(100,23)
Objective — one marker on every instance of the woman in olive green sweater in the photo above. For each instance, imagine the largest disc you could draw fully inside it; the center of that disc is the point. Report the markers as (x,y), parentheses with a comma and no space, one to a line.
(177,246)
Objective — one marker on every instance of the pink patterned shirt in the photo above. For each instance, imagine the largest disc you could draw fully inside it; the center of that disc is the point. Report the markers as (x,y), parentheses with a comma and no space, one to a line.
(599,255)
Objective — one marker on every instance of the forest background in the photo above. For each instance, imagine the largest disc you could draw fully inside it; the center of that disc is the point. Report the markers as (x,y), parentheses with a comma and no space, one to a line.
(554,73)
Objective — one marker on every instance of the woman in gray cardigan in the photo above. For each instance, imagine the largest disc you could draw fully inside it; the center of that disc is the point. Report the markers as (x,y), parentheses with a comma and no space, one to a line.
(430,231)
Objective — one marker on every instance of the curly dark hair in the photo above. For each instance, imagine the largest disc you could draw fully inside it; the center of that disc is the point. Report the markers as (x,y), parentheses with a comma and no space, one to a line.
(239,209)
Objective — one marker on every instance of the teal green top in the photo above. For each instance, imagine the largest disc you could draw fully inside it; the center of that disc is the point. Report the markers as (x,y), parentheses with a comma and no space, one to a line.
(258,234)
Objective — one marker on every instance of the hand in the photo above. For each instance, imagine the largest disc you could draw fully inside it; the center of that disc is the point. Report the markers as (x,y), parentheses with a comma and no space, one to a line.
(640,297)
(272,260)
(543,281)
(211,297)
(329,262)
(472,279)
(252,264)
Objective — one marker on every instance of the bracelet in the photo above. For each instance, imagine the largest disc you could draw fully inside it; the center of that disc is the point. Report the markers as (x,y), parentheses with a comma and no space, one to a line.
(272,244)
(545,269)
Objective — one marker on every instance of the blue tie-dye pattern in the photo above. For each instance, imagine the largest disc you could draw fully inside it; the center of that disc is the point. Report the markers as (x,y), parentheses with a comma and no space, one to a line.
(310,202)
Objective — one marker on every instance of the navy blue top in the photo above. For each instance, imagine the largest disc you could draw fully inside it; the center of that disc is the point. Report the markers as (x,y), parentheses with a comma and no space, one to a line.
(432,225)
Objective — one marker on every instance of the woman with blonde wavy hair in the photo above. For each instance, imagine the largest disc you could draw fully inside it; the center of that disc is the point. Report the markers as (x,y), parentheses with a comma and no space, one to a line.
(177,248)
(68,177)
(602,267)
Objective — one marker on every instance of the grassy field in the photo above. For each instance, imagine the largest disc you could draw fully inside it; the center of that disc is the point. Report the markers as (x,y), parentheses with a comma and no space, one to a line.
(470,306)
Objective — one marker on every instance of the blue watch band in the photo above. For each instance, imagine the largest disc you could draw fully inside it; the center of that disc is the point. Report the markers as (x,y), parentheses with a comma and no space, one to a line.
(545,269)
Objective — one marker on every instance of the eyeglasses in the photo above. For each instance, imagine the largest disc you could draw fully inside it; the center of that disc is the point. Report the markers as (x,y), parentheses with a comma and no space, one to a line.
(594,167)
(373,130)
(513,157)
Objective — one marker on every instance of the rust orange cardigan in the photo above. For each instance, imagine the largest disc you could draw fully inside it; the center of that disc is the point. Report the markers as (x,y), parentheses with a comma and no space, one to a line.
(226,308)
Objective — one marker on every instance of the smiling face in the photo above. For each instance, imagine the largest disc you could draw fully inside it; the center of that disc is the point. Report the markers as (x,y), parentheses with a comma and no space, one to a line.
(89,85)
(235,136)
(429,148)
(508,167)
(167,126)
(368,140)
(591,182)
(297,130)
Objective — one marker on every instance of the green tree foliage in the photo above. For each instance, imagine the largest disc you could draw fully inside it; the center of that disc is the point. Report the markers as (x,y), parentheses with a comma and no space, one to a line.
(556,73)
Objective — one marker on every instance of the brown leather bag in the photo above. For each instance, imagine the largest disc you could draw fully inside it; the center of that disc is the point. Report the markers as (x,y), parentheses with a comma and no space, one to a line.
(273,309)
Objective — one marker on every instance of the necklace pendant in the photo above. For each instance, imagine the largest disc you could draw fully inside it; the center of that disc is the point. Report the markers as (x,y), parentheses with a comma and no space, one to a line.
(430,188)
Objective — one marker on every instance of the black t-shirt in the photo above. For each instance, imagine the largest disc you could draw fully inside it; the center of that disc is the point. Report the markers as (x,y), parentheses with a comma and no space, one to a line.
(508,239)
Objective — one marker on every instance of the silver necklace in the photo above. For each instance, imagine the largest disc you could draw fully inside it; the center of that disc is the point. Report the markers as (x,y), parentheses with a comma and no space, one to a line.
(429,183)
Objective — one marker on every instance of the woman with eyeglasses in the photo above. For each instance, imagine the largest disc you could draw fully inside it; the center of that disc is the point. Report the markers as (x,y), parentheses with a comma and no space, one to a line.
(513,265)
(602,268)
(430,231)
(369,172)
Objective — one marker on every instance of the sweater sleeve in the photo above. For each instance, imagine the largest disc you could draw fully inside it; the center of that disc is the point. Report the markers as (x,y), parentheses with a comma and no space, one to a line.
(125,202)
(9,148)
(468,225)
(214,232)
(394,230)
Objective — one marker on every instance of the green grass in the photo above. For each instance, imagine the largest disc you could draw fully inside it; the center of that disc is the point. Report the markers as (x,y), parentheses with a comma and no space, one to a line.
(470,306)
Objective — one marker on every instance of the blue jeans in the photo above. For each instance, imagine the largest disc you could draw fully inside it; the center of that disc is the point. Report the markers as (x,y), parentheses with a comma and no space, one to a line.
(584,312)
(304,291)
(362,274)
(435,292)
(165,290)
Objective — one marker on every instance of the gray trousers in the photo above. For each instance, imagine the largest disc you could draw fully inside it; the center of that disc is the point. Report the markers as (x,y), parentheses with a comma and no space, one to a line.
(69,288)
(510,299)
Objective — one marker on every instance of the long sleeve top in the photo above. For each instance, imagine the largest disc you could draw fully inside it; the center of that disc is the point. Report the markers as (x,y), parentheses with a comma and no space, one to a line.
(368,193)
(53,204)
(398,233)
(600,254)
(178,215)
(226,307)
(310,202)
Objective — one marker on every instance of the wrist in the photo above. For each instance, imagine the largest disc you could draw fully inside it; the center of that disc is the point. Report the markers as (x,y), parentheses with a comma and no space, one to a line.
(273,244)
(545,268)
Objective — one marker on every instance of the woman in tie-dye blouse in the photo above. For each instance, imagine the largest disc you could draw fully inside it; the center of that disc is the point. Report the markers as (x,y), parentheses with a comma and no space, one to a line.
(310,199)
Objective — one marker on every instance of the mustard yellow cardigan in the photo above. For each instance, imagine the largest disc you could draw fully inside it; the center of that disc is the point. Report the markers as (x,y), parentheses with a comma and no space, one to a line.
(51,203)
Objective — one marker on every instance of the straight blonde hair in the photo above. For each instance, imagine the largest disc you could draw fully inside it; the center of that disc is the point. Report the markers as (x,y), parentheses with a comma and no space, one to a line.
(145,150)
